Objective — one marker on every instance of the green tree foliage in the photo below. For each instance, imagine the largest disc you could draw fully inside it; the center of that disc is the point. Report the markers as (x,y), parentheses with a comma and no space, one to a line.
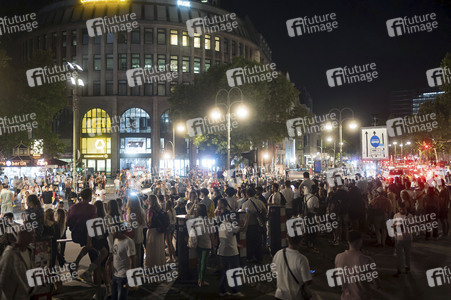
(17,98)
(270,105)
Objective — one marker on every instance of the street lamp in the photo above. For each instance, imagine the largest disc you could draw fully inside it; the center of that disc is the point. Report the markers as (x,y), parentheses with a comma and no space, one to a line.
(352,125)
(180,127)
(76,82)
(330,139)
(395,143)
(242,112)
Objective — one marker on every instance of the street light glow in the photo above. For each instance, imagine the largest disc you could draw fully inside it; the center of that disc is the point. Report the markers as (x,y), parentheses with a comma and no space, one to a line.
(181,127)
(329,139)
(408,143)
(328,126)
(80,82)
(353,125)
(215,114)
(242,111)
(265,155)
(166,156)
(395,143)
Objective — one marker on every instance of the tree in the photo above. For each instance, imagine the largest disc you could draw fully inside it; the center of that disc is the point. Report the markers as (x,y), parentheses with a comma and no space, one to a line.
(270,105)
(17,98)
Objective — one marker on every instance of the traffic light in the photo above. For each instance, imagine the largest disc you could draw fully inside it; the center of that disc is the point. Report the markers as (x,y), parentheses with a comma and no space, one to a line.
(426,146)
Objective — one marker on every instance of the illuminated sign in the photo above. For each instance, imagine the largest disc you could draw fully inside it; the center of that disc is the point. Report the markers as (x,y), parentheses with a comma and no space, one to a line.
(100,1)
(95,156)
(13,163)
(42,162)
(100,144)
(183,3)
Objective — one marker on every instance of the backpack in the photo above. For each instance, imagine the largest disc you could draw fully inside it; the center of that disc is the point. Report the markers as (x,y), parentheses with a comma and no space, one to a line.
(162,219)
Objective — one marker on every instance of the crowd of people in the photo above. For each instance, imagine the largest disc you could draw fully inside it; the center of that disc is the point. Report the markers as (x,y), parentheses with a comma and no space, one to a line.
(361,206)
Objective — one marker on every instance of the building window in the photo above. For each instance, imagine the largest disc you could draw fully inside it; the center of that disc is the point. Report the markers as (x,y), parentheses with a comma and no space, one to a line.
(96,88)
(84,62)
(122,37)
(174,63)
(162,89)
(196,40)
(64,39)
(148,36)
(85,37)
(136,36)
(97,62)
(207,42)
(54,41)
(122,88)
(135,60)
(96,121)
(74,38)
(161,62)
(196,65)
(109,87)
(110,38)
(233,48)
(161,38)
(135,90)
(185,38)
(207,64)
(97,39)
(165,126)
(122,61)
(135,120)
(217,44)
(109,61)
(185,64)
(148,61)
(148,89)
(174,37)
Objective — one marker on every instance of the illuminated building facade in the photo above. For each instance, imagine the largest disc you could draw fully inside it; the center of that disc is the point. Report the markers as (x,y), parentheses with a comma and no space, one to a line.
(108,103)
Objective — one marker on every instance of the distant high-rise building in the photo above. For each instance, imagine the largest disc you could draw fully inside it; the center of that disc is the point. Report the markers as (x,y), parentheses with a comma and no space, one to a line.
(422,97)
(407,102)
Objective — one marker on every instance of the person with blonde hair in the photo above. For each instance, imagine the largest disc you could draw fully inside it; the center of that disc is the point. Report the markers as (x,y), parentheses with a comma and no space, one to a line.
(155,255)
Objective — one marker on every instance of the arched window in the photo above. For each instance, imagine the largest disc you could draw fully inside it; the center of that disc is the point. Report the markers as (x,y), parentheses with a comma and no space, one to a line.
(135,120)
(96,122)
(165,124)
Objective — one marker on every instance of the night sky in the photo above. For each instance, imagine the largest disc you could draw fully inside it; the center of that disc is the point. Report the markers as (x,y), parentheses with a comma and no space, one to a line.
(361,38)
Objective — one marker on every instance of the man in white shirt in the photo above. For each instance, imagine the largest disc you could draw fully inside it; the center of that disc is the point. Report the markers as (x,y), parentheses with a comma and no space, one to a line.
(6,200)
(289,284)
(289,196)
(117,185)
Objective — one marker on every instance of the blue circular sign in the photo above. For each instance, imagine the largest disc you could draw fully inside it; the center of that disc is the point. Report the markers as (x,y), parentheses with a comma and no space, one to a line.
(375,141)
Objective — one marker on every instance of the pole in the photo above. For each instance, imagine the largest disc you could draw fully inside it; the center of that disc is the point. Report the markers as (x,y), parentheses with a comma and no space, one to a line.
(341,141)
(228,133)
(74,121)
(321,159)
(173,148)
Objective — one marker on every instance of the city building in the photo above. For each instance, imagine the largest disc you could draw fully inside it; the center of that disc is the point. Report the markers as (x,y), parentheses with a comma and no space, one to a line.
(407,102)
(424,96)
(125,124)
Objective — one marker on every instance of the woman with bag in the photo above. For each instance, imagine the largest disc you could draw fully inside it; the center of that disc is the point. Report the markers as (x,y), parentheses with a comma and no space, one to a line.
(155,255)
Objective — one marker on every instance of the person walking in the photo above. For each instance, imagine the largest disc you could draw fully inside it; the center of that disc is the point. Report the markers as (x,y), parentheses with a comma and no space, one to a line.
(403,238)
(6,200)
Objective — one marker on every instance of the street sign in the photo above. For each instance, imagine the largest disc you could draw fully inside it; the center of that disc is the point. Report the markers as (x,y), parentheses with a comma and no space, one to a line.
(374,143)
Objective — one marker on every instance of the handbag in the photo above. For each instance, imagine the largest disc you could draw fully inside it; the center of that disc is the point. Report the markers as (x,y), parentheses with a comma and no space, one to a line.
(306,294)
(260,216)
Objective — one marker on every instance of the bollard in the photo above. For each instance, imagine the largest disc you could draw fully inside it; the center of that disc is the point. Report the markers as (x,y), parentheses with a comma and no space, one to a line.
(187,260)
(277,231)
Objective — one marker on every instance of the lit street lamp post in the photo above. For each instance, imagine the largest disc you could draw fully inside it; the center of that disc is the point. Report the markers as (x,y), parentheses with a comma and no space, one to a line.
(180,128)
(352,125)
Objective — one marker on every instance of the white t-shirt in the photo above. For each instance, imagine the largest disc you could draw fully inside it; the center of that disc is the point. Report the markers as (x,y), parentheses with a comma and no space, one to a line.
(117,183)
(287,288)
(100,195)
(122,250)
(289,196)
